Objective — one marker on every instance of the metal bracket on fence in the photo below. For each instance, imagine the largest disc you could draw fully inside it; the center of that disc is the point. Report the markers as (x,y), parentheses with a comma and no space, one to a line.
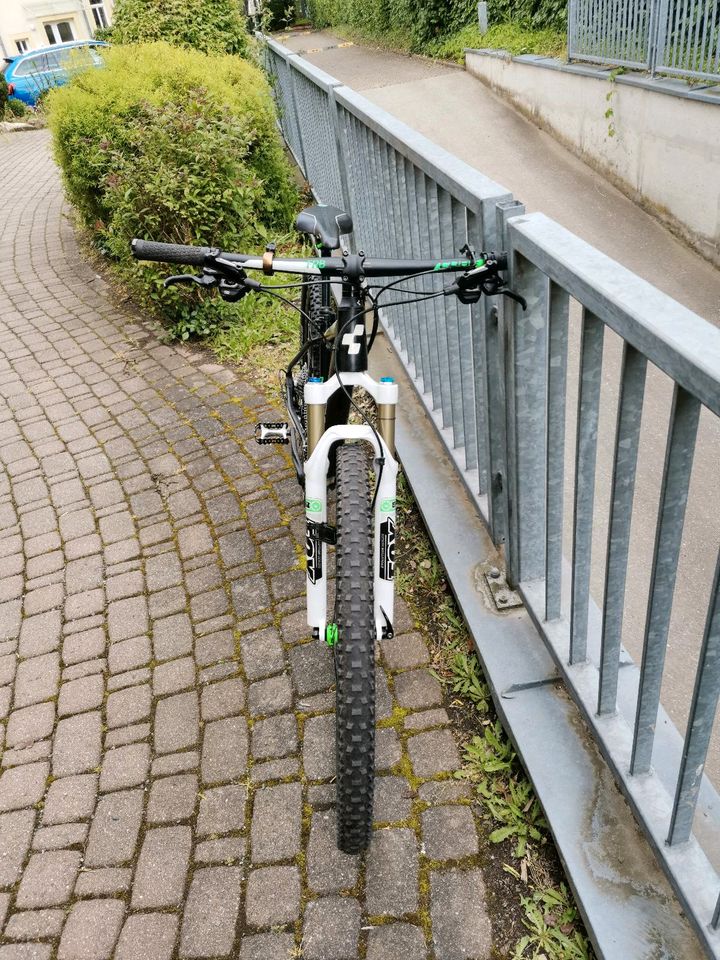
(503,596)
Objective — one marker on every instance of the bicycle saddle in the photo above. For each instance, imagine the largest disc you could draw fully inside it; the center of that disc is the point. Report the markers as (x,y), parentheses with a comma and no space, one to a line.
(324,223)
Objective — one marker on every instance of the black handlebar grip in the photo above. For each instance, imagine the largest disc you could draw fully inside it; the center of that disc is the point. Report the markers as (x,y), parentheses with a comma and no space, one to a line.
(502,261)
(170,252)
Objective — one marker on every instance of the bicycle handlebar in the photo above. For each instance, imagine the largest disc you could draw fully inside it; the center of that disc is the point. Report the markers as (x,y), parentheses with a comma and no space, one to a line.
(171,252)
(325,266)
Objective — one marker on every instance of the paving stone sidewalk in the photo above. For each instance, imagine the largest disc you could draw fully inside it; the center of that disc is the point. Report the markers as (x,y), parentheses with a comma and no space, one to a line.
(167,775)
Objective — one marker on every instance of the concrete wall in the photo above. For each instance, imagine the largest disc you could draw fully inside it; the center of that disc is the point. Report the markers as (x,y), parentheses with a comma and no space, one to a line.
(665,150)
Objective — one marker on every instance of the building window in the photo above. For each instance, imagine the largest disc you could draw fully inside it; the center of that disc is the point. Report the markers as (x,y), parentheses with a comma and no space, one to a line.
(22,45)
(98,11)
(59,32)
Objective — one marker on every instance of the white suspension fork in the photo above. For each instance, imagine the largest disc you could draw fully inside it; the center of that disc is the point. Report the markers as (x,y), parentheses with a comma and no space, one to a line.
(316,471)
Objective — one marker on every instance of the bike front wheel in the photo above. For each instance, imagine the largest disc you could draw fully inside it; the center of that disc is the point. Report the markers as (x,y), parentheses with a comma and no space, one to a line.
(354,650)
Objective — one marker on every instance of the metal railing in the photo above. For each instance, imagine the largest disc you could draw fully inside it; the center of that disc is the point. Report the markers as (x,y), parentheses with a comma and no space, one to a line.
(673,37)
(496,381)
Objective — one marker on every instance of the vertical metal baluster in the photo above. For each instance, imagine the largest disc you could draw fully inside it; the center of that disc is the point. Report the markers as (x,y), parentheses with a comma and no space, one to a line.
(385,198)
(627,436)
(625,40)
(555,457)
(526,386)
(661,35)
(362,208)
(409,313)
(296,128)
(309,133)
(700,722)
(700,59)
(668,536)
(337,116)
(440,341)
(428,350)
(707,58)
(399,236)
(355,179)
(465,360)
(591,346)
(416,318)
(363,238)
(481,363)
(693,63)
(447,309)
(684,35)
(388,198)
(378,200)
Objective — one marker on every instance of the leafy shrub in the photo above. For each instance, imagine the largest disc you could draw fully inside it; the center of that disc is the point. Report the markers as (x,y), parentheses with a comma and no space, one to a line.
(500,36)
(15,108)
(537,14)
(420,24)
(178,146)
(3,95)
(278,13)
(213,26)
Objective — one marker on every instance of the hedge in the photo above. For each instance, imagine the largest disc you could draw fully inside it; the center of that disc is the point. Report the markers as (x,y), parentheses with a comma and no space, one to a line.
(174,145)
(212,26)
(423,22)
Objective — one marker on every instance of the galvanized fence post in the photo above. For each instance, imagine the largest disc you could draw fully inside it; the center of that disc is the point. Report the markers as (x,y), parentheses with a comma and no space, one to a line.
(526,384)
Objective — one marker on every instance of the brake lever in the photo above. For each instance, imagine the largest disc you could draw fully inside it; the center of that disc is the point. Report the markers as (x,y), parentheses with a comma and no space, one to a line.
(511,295)
(492,286)
(206,280)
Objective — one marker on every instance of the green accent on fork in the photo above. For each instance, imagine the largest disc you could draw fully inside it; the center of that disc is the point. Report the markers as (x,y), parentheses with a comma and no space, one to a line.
(313,506)
(331,634)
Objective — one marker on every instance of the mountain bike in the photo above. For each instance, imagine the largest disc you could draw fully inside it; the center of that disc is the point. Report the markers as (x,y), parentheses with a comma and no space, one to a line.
(318,391)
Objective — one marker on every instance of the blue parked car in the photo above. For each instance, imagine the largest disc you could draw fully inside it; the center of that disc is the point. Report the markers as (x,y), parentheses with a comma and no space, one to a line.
(30,74)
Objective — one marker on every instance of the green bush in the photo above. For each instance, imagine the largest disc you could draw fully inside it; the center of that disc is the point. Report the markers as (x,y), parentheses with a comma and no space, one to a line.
(3,95)
(420,25)
(178,146)
(15,108)
(213,26)
(277,14)
(500,36)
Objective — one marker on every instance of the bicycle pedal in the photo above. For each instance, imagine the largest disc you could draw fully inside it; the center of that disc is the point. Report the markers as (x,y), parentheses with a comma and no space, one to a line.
(272,432)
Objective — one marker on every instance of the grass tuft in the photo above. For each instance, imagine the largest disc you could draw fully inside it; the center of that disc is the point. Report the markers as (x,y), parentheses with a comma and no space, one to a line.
(512,37)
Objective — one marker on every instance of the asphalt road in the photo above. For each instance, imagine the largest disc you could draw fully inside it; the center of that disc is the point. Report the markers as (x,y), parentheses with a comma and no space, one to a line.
(458,112)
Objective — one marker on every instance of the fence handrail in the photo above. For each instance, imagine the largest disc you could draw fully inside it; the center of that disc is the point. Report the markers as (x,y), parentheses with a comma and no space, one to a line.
(678,341)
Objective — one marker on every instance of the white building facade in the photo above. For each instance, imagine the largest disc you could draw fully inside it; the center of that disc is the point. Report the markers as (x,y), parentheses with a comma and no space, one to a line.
(31,24)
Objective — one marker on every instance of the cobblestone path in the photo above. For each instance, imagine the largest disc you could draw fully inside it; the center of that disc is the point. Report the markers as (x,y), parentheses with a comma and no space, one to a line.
(167,774)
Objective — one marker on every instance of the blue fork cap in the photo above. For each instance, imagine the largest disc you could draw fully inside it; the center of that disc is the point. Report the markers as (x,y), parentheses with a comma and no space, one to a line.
(387,379)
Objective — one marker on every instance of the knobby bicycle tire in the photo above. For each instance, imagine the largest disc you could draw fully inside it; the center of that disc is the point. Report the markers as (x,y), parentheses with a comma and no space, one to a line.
(354,650)
(318,358)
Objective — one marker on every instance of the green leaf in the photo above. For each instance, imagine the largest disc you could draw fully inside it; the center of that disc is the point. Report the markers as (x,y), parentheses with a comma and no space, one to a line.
(497,836)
